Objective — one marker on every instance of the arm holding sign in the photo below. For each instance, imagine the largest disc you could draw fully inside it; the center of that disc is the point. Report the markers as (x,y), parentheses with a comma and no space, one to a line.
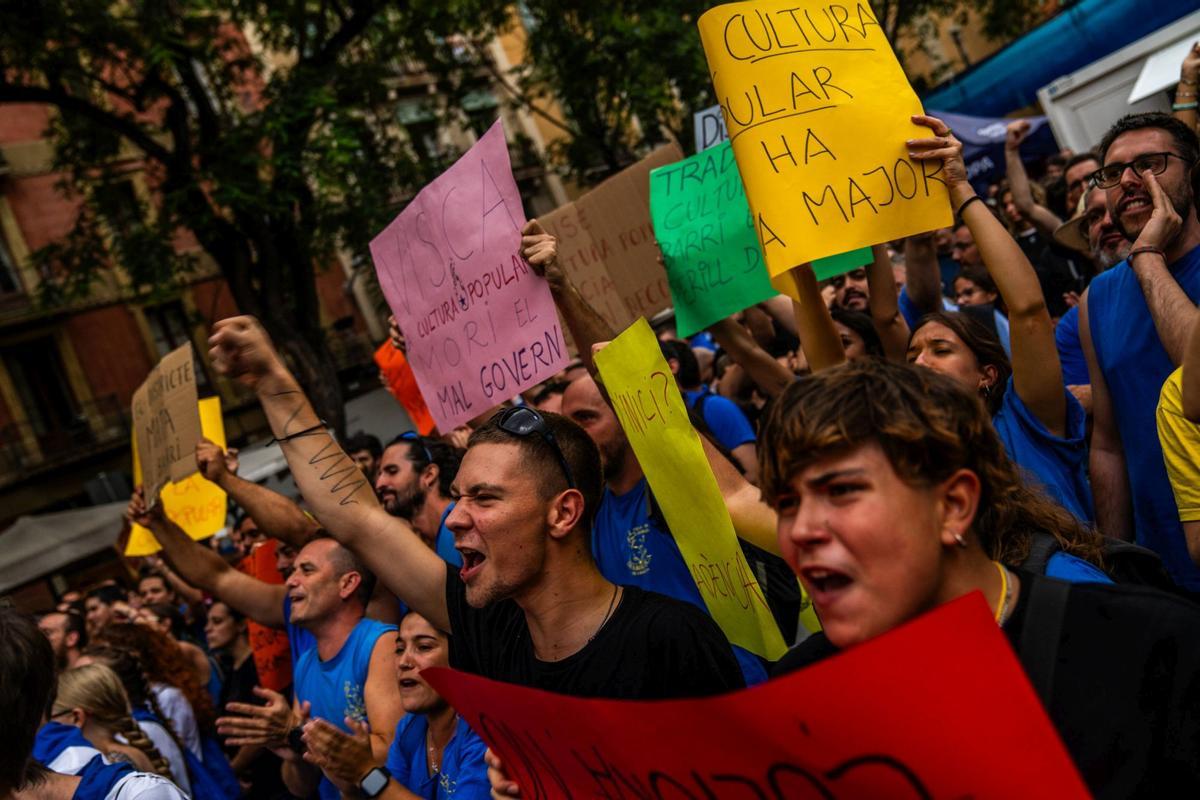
(204,569)
(1037,372)
(540,251)
(1018,180)
(340,495)
(924,276)
(885,305)
(819,339)
(768,375)
(276,515)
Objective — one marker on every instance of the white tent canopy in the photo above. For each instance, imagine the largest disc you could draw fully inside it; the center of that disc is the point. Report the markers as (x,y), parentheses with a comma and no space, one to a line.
(38,545)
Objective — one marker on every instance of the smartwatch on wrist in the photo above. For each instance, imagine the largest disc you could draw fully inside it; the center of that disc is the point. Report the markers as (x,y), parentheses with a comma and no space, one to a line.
(295,739)
(374,782)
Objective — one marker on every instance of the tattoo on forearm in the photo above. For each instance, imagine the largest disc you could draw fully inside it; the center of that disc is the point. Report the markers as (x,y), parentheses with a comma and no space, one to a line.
(348,477)
(287,424)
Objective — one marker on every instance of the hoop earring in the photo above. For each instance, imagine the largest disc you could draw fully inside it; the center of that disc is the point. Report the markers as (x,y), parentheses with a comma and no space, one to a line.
(958,537)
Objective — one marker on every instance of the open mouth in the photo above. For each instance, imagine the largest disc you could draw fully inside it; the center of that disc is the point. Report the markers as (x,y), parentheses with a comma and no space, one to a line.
(825,585)
(472,563)
(1136,203)
(409,684)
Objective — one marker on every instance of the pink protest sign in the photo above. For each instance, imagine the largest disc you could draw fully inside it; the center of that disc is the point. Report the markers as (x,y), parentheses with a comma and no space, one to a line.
(480,325)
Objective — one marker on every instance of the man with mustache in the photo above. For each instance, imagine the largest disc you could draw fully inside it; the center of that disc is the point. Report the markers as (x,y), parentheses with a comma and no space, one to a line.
(413,483)
(1090,231)
(1134,321)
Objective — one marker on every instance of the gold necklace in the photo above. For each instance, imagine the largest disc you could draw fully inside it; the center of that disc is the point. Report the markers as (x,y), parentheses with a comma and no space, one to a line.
(1003,601)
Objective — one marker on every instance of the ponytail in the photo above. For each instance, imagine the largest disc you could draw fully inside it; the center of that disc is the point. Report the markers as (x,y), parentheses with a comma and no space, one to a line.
(135,736)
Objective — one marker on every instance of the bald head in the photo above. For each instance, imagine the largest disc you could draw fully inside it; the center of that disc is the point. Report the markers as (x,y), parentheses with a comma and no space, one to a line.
(584,404)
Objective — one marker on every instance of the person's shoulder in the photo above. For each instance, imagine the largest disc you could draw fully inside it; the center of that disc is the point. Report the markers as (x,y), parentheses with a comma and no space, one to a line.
(1143,608)
(1108,279)
(661,615)
(144,786)
(816,647)
(1171,397)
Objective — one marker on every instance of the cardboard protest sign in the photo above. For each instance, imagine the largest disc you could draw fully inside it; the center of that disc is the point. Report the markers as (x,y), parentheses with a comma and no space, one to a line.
(165,421)
(606,244)
(876,721)
(195,504)
(818,111)
(702,223)
(481,325)
(655,420)
(709,128)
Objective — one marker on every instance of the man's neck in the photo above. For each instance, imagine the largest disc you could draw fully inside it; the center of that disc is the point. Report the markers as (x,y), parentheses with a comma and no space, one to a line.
(428,518)
(332,631)
(628,476)
(53,787)
(564,612)
(1187,240)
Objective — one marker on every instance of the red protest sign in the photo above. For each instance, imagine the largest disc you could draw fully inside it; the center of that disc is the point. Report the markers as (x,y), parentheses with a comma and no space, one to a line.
(937,708)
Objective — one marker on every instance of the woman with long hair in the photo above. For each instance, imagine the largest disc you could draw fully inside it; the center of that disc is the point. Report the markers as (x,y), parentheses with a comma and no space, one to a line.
(92,699)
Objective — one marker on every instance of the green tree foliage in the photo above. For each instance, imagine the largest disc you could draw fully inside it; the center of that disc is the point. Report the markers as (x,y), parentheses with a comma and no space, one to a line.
(272,163)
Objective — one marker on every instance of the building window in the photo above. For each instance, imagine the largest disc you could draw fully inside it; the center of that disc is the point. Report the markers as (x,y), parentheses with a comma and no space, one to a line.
(170,328)
(41,383)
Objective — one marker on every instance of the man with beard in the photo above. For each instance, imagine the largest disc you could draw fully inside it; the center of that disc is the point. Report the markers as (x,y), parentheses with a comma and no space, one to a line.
(413,483)
(850,291)
(67,635)
(1090,231)
(1134,322)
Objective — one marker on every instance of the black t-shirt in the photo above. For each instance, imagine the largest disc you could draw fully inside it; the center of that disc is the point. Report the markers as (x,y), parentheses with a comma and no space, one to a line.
(1126,692)
(653,647)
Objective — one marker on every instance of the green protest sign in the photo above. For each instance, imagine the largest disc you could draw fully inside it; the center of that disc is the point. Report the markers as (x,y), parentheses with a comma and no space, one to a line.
(702,222)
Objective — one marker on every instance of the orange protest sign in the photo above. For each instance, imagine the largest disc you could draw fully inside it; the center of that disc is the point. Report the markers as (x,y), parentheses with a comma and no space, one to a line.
(937,708)
(272,654)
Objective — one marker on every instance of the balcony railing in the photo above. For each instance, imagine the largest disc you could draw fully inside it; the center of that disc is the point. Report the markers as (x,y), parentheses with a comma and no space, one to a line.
(25,450)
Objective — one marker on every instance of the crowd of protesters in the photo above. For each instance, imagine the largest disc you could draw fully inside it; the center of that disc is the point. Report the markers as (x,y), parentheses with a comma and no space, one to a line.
(1010,406)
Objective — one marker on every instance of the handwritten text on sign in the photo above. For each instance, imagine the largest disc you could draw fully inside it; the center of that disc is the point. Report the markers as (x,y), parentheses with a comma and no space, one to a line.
(166,421)
(195,504)
(874,722)
(818,111)
(655,419)
(703,227)
(480,325)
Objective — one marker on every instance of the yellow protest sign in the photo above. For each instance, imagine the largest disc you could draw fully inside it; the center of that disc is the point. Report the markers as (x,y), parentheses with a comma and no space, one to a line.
(818,111)
(195,504)
(655,420)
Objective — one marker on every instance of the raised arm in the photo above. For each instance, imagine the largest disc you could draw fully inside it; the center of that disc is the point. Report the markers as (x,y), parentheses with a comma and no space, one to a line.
(1018,180)
(1169,305)
(341,498)
(276,515)
(885,305)
(768,375)
(540,251)
(204,569)
(1184,108)
(1037,372)
(923,276)
(1106,459)
(753,520)
(819,339)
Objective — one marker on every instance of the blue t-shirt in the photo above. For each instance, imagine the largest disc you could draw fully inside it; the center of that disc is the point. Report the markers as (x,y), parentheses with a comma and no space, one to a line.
(633,550)
(462,775)
(703,339)
(728,424)
(335,687)
(1070,349)
(1067,567)
(912,315)
(1057,464)
(300,640)
(1135,366)
(444,545)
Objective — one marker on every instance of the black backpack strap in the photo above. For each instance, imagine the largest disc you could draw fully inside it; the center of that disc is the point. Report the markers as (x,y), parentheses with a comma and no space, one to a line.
(1041,547)
(1045,610)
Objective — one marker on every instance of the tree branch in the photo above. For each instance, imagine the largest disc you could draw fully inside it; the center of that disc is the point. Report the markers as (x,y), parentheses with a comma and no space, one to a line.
(14,93)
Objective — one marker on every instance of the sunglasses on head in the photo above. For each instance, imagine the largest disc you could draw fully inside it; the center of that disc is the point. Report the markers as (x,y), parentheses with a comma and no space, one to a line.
(523,421)
(413,436)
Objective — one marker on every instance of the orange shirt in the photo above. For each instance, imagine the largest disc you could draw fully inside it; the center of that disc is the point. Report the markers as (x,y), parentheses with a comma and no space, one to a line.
(402,383)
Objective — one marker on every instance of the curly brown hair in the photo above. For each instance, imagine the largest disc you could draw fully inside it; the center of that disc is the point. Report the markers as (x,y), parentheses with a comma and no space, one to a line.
(164,662)
(929,428)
